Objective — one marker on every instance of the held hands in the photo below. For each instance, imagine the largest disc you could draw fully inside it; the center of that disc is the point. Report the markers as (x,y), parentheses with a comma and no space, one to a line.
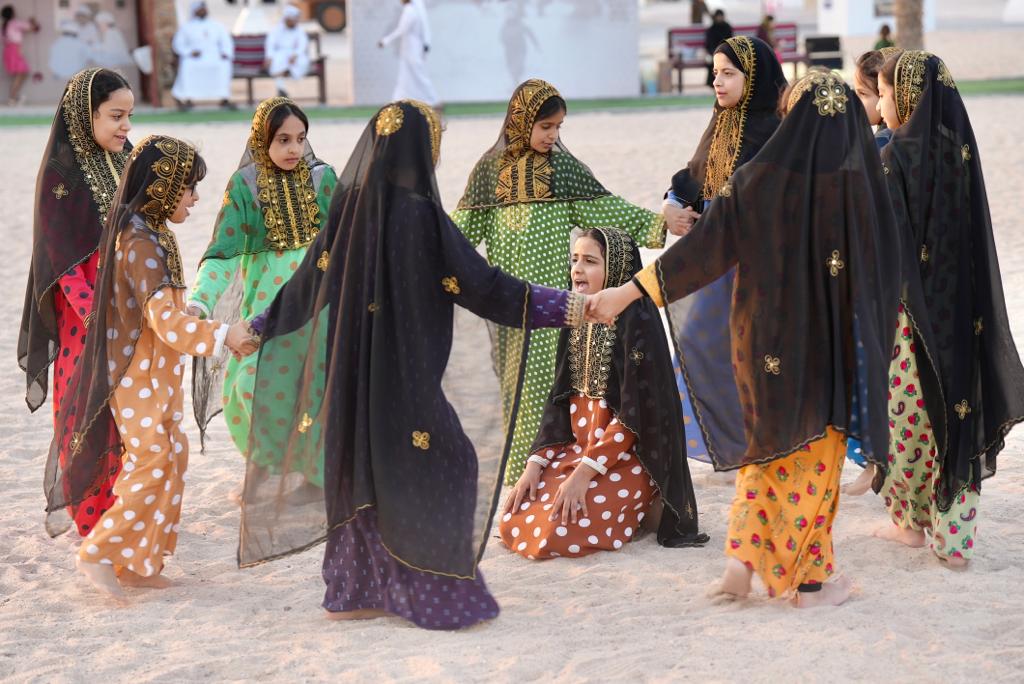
(240,341)
(193,310)
(526,486)
(604,306)
(679,220)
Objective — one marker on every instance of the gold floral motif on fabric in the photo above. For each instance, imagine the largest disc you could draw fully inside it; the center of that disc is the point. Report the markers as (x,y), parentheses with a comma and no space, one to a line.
(287,199)
(76,443)
(888,52)
(59,191)
(835,263)
(910,72)
(102,169)
(169,242)
(323,261)
(389,120)
(726,189)
(727,138)
(965,153)
(305,423)
(523,174)
(451,285)
(421,440)
(772,364)
(636,356)
(828,89)
(945,78)
(373,307)
(979,326)
(434,124)
(924,254)
(963,409)
(575,308)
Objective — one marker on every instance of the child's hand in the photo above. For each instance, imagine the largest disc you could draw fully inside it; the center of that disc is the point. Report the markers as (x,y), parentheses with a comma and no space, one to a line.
(604,306)
(193,310)
(679,219)
(527,485)
(239,341)
(571,496)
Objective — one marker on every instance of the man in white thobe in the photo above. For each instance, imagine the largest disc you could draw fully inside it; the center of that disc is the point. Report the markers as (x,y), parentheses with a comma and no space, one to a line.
(88,32)
(413,31)
(205,51)
(286,50)
(68,54)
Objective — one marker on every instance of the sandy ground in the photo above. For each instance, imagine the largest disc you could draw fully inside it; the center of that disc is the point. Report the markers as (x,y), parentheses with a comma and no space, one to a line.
(639,614)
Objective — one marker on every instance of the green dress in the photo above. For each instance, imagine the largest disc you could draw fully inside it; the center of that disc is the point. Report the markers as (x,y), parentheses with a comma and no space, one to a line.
(240,251)
(531,240)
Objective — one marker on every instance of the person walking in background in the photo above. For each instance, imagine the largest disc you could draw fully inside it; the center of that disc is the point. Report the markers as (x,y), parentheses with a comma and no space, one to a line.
(719,32)
(112,49)
(205,49)
(14,31)
(884,39)
(286,49)
(766,32)
(413,30)
(68,54)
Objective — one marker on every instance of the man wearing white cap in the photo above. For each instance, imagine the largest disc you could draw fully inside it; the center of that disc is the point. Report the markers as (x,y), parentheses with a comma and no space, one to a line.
(88,33)
(413,31)
(205,51)
(287,49)
(68,54)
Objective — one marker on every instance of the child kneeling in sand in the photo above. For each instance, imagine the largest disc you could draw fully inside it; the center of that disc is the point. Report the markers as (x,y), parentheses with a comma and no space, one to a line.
(125,400)
(602,456)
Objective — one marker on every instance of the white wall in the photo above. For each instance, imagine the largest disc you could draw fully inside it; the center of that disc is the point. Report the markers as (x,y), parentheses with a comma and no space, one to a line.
(859,18)
(482,49)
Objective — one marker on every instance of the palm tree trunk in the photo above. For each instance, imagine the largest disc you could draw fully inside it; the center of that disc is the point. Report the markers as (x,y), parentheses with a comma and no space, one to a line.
(909,24)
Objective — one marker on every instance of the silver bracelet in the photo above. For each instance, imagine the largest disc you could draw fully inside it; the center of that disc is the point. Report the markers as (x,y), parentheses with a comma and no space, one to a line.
(595,465)
(539,460)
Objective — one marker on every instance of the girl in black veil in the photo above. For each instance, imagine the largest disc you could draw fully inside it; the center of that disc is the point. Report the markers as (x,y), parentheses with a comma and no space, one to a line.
(75,186)
(748,80)
(940,451)
(366,369)
(610,442)
(808,224)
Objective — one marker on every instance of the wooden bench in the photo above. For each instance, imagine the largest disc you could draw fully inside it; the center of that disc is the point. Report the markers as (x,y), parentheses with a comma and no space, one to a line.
(249,59)
(686,47)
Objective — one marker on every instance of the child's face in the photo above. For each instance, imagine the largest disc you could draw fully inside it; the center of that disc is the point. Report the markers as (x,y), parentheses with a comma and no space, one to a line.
(868,98)
(587,266)
(545,132)
(728,81)
(188,200)
(286,147)
(887,104)
(112,120)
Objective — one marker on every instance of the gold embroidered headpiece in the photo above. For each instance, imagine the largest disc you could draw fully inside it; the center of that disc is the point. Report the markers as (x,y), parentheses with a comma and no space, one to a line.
(727,139)
(102,169)
(287,199)
(171,168)
(911,71)
(433,123)
(828,90)
(523,174)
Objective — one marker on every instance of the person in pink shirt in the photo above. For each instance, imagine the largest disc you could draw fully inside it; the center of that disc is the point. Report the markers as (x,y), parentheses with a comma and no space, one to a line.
(14,31)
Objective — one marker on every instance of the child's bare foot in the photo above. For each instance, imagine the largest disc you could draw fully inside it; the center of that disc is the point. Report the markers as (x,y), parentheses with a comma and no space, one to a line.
(102,577)
(912,538)
(235,495)
(862,484)
(361,614)
(736,578)
(953,562)
(132,579)
(305,493)
(832,593)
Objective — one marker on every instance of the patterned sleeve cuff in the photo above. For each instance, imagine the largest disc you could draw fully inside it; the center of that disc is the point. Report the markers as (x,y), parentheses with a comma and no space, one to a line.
(647,281)
(219,335)
(202,307)
(550,308)
(659,228)
(259,323)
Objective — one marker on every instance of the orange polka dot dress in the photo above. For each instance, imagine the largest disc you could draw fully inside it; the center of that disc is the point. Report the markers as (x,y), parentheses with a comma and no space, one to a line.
(617,501)
(141,528)
(238,251)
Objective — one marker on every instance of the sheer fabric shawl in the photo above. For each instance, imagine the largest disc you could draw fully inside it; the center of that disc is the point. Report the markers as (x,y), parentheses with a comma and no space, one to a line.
(366,363)
(288,203)
(933,167)
(627,364)
(74,189)
(135,245)
(809,225)
(511,172)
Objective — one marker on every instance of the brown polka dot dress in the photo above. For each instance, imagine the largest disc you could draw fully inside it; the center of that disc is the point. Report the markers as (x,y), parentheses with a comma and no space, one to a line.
(617,501)
(141,528)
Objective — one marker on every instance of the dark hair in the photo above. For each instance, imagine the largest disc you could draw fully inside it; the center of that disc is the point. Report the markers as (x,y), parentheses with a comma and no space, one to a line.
(888,70)
(7,13)
(868,66)
(280,114)
(105,83)
(551,106)
(197,173)
(767,18)
(596,235)
(719,14)
(884,30)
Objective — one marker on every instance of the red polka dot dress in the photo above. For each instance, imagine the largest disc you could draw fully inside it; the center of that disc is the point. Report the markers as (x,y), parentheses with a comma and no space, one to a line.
(617,500)
(141,528)
(72,304)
